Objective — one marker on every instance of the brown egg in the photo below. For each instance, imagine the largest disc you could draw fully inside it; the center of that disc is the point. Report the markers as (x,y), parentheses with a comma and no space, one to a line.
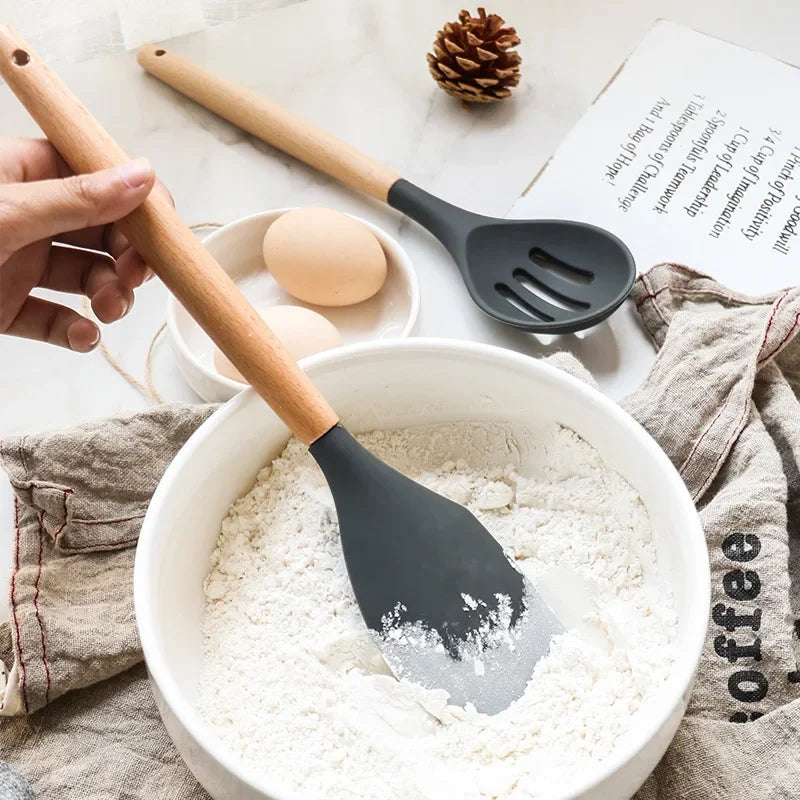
(302,331)
(324,257)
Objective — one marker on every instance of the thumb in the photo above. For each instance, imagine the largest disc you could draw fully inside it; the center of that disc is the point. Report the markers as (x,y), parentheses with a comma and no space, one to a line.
(42,209)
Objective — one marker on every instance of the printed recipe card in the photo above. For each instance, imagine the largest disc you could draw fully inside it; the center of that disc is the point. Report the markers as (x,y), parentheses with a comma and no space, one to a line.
(691,154)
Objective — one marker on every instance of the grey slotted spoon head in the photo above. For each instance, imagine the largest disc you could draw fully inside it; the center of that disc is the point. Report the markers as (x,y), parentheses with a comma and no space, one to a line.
(543,276)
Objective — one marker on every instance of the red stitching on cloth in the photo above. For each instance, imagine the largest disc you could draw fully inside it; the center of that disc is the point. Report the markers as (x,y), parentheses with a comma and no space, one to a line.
(703,292)
(100,547)
(36,607)
(772,319)
(724,450)
(739,298)
(736,429)
(711,424)
(782,341)
(110,546)
(39,485)
(105,521)
(67,491)
(647,285)
(643,300)
(22,457)
(64,523)
(722,453)
(705,289)
(14,604)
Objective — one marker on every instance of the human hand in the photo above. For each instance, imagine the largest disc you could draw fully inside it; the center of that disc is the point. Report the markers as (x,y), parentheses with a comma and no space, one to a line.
(43,204)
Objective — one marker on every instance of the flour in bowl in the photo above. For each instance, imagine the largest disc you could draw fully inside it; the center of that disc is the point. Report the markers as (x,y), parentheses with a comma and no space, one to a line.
(293,684)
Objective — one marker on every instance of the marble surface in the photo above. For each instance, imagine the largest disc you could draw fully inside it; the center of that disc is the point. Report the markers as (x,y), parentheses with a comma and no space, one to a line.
(357,68)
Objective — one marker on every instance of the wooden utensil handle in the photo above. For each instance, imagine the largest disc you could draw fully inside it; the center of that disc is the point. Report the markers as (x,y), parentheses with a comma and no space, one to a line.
(170,248)
(270,122)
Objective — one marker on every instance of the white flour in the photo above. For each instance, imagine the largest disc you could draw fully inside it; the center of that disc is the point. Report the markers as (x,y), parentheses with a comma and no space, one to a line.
(292,682)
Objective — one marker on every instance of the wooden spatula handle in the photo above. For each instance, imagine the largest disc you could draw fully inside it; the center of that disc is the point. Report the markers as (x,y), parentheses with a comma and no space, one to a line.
(170,248)
(270,122)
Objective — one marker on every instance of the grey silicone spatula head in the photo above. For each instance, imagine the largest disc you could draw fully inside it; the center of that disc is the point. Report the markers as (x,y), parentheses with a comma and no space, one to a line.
(544,276)
(448,609)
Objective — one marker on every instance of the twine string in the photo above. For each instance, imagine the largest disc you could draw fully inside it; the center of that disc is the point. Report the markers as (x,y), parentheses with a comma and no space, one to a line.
(147,387)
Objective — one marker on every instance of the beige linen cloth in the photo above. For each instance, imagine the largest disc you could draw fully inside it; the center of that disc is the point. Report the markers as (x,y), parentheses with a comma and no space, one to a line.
(722,400)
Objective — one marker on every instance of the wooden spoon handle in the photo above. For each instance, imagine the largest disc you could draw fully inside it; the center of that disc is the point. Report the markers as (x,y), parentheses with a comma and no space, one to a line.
(270,122)
(170,248)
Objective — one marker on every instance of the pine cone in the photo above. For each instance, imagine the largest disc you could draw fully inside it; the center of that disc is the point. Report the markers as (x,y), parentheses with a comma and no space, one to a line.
(472,59)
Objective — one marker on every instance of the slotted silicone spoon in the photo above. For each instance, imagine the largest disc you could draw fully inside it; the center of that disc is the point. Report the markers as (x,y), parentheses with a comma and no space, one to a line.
(544,276)
(412,556)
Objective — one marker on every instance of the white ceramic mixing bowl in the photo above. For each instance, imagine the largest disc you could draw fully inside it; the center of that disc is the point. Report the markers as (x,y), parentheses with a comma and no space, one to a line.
(386,385)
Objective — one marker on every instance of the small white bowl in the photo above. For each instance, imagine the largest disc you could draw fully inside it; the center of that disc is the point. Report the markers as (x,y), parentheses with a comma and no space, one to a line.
(391,313)
(386,385)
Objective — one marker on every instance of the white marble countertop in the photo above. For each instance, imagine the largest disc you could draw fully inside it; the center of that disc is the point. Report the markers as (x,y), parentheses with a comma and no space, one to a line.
(357,68)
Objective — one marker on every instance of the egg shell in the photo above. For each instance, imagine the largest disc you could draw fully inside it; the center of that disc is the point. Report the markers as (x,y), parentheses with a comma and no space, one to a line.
(324,257)
(302,331)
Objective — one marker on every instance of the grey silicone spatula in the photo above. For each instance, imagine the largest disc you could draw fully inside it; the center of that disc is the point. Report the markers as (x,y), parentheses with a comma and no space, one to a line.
(414,558)
(544,276)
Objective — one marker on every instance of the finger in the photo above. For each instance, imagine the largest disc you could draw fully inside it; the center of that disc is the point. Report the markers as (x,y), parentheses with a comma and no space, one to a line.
(88,238)
(107,238)
(115,241)
(49,322)
(112,302)
(30,160)
(110,239)
(18,275)
(81,272)
(131,269)
(43,209)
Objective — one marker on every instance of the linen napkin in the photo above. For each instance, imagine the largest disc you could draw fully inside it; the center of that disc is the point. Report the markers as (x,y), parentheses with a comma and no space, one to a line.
(722,400)
(71,646)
